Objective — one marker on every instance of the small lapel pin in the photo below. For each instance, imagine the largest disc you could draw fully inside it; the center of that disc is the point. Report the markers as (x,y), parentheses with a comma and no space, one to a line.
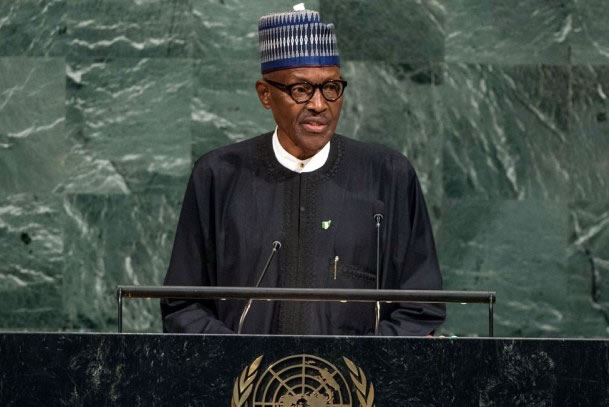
(325,224)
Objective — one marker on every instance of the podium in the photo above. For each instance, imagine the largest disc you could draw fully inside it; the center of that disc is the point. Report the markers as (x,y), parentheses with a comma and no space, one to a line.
(38,369)
(117,369)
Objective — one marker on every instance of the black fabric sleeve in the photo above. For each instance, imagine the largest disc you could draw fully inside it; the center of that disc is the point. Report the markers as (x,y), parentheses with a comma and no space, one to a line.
(192,262)
(416,260)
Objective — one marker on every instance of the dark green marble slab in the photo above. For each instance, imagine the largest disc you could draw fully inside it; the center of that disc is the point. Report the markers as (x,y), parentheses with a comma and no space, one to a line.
(129,122)
(31,247)
(226,31)
(589,267)
(33,146)
(392,105)
(113,240)
(506,131)
(510,32)
(519,250)
(588,163)
(226,108)
(32,27)
(398,31)
(590,42)
(129,28)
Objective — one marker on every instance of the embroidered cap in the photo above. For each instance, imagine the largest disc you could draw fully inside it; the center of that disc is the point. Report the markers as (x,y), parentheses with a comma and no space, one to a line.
(296,39)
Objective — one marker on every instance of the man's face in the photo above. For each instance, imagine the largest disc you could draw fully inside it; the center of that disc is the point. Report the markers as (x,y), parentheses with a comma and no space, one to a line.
(303,129)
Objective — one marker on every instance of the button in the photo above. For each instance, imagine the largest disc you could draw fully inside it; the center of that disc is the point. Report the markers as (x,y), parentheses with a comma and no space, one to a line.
(301,165)
(302,209)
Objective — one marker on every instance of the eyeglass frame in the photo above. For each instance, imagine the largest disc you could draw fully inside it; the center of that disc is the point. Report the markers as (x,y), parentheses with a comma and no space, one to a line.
(288,89)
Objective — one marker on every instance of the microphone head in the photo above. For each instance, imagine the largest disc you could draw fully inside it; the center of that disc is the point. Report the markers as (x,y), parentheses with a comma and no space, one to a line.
(379,208)
(276,245)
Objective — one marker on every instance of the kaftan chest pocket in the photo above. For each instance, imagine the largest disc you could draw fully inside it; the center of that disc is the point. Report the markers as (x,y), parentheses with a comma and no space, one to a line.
(351,318)
(344,275)
(354,236)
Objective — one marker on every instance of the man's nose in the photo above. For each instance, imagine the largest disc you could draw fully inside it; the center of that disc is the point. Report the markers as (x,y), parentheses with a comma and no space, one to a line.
(317,103)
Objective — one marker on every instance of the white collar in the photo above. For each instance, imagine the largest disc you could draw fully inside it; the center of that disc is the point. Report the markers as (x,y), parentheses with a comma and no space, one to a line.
(294,164)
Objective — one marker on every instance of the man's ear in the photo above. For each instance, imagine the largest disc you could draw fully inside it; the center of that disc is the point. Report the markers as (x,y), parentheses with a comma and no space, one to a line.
(264,93)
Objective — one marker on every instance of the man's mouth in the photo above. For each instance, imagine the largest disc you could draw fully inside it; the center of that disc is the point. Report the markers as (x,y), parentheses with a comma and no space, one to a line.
(315,126)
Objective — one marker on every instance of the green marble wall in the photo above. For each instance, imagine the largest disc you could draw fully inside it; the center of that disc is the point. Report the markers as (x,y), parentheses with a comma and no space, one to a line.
(501,106)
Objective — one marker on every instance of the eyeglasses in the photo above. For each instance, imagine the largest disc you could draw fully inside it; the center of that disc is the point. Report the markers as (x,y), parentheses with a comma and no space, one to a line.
(302,92)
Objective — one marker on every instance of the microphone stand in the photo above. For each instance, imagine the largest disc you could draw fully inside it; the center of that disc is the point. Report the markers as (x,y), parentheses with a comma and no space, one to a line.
(378,218)
(276,246)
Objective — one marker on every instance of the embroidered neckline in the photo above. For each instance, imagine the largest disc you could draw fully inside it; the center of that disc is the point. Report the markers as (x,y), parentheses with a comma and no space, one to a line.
(279,173)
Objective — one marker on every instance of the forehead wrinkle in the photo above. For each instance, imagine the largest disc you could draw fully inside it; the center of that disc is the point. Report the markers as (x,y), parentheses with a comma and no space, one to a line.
(311,75)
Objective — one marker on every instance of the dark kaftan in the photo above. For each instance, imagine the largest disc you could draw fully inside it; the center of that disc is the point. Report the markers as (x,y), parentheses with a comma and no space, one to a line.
(240,199)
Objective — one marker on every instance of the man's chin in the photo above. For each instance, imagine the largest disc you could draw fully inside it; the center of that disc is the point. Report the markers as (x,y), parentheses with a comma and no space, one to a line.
(313,142)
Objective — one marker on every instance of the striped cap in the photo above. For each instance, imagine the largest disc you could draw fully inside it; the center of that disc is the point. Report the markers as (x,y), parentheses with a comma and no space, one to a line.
(296,39)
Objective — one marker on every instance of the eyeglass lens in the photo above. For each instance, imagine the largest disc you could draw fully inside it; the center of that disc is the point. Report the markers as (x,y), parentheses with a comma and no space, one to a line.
(330,90)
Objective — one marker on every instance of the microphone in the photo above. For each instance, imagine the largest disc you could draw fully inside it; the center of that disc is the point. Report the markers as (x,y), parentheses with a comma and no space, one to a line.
(378,218)
(276,247)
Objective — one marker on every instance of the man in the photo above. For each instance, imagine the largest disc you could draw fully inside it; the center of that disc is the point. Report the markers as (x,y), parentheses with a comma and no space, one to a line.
(314,191)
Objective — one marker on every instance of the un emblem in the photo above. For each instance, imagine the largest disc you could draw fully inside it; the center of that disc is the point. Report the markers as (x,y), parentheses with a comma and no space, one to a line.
(301,381)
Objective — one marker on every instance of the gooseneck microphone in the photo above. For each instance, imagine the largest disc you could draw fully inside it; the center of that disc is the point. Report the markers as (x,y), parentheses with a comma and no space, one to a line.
(378,218)
(276,247)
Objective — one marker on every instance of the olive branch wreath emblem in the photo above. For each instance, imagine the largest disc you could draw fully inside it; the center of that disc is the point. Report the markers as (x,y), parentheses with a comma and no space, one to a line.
(365,394)
(244,384)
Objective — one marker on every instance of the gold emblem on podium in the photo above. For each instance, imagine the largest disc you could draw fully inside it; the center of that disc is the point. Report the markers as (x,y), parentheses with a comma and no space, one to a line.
(302,381)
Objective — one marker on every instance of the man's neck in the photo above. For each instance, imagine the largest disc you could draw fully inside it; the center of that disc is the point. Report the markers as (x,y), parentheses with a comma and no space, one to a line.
(296,164)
